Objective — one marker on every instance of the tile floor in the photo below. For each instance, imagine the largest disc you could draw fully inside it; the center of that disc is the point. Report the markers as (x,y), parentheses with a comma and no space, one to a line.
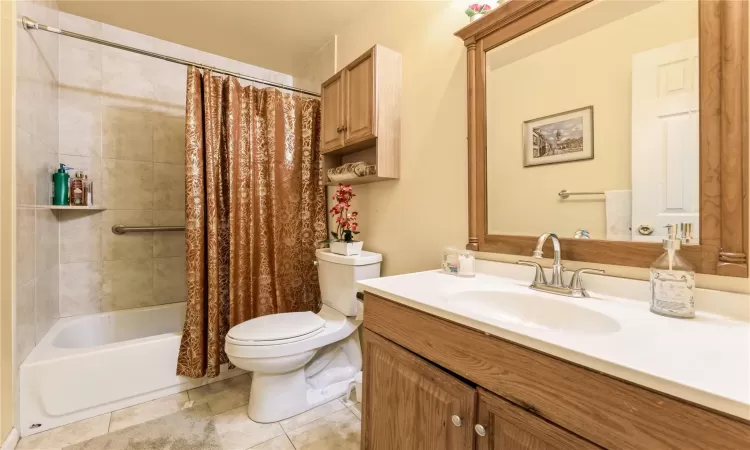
(331,426)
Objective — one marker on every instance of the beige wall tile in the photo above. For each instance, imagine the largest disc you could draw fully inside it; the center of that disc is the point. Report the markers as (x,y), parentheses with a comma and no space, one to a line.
(169,186)
(26,163)
(127,246)
(170,284)
(25,333)
(25,223)
(127,131)
(169,243)
(80,66)
(127,284)
(80,288)
(80,122)
(46,165)
(126,74)
(47,302)
(127,184)
(80,236)
(47,239)
(169,139)
(170,82)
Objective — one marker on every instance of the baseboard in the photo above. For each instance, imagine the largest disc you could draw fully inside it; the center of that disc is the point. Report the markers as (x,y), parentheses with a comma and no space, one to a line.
(11,440)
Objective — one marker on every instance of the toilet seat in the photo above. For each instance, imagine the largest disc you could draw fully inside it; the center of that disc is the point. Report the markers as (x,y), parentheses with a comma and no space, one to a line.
(276,329)
(336,327)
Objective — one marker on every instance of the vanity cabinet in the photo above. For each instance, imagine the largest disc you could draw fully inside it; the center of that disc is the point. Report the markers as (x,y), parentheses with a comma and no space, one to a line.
(415,402)
(421,370)
(361,115)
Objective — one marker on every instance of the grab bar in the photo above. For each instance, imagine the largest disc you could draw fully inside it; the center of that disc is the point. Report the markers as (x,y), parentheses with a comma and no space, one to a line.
(122,229)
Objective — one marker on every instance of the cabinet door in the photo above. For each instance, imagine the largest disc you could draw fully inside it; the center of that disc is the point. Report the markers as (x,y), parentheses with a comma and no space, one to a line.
(332,118)
(409,404)
(509,427)
(359,103)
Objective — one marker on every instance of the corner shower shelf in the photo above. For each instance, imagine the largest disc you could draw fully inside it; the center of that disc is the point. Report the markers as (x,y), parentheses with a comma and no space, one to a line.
(71,208)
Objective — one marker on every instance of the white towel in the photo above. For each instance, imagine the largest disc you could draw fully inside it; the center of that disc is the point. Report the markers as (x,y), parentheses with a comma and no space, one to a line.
(360,310)
(619,215)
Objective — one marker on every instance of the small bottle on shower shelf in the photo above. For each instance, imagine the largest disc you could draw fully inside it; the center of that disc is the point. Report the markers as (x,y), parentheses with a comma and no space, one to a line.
(672,281)
(77,194)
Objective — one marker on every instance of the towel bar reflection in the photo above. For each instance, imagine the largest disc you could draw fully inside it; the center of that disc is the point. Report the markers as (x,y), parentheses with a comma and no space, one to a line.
(122,229)
(565,194)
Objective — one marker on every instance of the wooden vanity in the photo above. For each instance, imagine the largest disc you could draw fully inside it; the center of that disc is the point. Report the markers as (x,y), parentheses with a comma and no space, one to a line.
(433,384)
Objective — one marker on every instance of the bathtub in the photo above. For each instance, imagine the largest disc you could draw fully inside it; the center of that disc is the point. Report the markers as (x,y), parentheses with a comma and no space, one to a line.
(93,364)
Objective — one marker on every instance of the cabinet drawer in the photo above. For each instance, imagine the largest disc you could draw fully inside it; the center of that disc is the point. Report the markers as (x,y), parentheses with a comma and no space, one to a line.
(611,413)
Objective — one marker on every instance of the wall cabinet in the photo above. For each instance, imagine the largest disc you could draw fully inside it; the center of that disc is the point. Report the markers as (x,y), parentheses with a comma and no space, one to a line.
(433,384)
(361,117)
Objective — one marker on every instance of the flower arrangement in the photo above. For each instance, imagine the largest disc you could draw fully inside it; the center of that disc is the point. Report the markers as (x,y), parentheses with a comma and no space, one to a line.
(346,222)
(477,9)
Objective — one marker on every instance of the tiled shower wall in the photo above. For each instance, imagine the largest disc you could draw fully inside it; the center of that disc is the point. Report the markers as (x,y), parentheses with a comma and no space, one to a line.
(122,120)
(36,302)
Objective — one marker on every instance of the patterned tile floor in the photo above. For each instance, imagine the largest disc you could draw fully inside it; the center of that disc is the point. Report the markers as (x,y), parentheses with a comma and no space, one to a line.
(331,426)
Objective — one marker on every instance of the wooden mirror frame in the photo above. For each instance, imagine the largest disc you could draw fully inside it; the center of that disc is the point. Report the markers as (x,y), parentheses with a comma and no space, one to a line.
(723,118)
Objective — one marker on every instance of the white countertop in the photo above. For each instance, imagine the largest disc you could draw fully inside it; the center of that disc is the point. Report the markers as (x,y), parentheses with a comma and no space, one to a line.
(705,360)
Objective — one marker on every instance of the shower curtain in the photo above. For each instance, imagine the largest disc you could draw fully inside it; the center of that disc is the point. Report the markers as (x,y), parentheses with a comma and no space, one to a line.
(254,207)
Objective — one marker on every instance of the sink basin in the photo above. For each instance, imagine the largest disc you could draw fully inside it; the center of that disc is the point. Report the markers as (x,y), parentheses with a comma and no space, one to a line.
(532,311)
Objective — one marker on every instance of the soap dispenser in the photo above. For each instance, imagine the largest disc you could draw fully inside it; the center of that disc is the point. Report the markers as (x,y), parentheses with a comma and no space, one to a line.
(60,180)
(672,281)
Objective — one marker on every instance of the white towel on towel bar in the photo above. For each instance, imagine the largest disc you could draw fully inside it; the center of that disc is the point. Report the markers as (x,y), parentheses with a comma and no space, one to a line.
(619,215)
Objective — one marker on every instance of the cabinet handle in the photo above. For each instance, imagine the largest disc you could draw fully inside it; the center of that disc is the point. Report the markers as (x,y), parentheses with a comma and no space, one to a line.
(456,420)
(480,430)
(338,129)
(343,128)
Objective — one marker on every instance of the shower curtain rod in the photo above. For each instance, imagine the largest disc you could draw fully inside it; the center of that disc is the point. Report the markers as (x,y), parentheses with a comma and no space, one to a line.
(31,24)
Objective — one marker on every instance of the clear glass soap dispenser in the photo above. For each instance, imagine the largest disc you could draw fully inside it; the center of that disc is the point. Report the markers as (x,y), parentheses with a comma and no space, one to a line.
(672,281)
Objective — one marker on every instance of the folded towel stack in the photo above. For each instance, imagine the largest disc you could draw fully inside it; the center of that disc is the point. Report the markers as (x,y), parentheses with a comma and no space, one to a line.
(351,170)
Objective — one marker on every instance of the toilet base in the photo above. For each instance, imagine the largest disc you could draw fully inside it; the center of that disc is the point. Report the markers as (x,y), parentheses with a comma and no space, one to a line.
(330,374)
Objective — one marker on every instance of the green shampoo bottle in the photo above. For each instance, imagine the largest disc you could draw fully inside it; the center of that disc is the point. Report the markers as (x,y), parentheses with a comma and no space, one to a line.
(60,180)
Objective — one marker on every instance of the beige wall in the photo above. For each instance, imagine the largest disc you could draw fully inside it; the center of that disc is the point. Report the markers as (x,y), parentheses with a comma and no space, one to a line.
(318,68)
(411,219)
(37,229)
(7,212)
(598,74)
(122,119)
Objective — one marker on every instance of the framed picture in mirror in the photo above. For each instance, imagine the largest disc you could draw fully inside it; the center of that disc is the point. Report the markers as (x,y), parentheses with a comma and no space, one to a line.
(558,138)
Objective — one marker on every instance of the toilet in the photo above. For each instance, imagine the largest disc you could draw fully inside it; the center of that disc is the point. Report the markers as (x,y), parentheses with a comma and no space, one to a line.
(301,360)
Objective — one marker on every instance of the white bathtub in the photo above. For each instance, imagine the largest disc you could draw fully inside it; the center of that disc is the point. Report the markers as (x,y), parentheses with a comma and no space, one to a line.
(90,365)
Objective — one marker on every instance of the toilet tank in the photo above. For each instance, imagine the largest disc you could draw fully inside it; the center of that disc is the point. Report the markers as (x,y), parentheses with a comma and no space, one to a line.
(337,275)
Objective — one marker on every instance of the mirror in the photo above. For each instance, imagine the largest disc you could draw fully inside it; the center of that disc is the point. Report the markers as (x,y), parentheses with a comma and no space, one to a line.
(592,126)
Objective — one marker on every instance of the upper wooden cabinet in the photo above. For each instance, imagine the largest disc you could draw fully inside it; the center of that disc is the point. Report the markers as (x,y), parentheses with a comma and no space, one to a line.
(359,101)
(331,95)
(361,114)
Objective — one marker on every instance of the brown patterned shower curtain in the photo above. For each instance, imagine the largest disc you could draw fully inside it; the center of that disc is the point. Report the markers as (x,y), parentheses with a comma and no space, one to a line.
(254,207)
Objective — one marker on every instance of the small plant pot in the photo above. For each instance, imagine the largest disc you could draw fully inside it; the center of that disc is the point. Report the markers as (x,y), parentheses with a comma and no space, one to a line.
(346,248)
(475,17)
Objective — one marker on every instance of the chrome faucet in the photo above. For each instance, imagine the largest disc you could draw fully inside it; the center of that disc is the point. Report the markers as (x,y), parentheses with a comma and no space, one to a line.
(557,267)
(556,286)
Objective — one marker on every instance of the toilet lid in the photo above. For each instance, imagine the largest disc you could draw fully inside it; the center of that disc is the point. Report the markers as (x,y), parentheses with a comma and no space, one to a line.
(275,327)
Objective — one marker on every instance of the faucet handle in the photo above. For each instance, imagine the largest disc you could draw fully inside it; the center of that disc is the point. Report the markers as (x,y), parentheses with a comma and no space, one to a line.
(576,283)
(539,277)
